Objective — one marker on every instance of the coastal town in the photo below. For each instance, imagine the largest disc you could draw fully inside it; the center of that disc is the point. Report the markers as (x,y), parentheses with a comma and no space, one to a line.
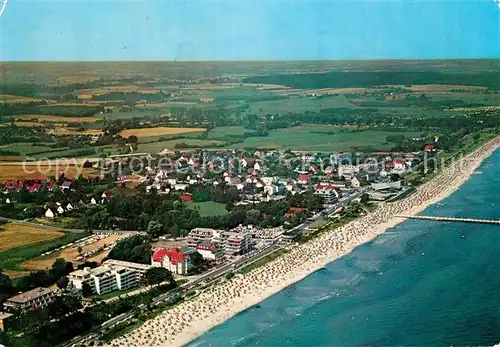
(279,200)
(147,206)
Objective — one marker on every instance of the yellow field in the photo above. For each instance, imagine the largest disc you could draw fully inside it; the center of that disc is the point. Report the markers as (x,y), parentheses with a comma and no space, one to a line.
(16,235)
(10,172)
(85,94)
(71,253)
(46,118)
(159,131)
(66,131)
(28,124)
(12,99)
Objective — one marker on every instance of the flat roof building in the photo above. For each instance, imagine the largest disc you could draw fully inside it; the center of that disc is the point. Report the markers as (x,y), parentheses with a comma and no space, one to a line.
(35,298)
(113,275)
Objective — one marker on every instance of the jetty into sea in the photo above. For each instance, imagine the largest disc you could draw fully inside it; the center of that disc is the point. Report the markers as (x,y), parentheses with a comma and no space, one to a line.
(452,219)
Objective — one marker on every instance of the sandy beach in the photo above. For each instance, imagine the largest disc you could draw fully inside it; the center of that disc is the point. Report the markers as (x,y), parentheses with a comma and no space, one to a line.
(192,318)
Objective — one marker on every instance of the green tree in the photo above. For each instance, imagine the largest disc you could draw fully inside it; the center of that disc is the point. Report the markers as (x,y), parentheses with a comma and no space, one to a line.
(62,283)
(86,290)
(157,275)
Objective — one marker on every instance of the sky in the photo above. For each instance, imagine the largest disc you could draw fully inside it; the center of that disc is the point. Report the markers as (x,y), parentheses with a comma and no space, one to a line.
(38,30)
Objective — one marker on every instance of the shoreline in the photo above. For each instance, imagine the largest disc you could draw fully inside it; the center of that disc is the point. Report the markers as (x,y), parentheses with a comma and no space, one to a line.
(191,319)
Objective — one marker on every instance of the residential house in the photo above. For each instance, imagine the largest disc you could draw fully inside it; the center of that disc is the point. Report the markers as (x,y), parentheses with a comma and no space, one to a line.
(107,194)
(51,186)
(69,207)
(60,210)
(181,186)
(355,182)
(66,185)
(271,189)
(303,178)
(429,148)
(49,213)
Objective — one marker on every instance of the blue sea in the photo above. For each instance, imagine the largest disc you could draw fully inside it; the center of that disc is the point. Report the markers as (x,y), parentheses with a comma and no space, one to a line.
(421,283)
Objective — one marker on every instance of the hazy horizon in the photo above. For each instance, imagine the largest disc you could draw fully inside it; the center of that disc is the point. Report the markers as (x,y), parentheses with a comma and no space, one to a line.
(245,31)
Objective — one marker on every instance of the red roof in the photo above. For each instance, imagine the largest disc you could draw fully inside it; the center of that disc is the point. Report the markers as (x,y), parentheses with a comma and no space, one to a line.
(389,164)
(174,255)
(207,246)
(429,147)
(303,177)
(108,193)
(399,161)
(186,197)
(297,209)
(159,254)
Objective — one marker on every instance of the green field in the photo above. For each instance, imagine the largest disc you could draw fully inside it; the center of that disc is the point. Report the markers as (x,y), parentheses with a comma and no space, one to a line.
(298,105)
(208,208)
(12,258)
(222,132)
(321,138)
(27,147)
(156,147)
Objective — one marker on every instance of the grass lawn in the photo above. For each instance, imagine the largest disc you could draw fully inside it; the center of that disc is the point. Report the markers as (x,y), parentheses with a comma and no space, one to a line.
(208,208)
(322,138)
(115,293)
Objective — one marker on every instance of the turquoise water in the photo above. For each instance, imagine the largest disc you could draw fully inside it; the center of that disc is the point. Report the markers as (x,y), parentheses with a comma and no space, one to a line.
(420,283)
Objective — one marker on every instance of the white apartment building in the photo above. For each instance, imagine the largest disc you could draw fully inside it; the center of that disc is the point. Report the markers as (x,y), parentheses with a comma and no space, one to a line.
(198,235)
(328,192)
(108,277)
(348,170)
(235,242)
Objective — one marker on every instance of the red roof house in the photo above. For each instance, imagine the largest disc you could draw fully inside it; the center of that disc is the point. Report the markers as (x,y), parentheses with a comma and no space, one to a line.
(303,179)
(186,197)
(429,148)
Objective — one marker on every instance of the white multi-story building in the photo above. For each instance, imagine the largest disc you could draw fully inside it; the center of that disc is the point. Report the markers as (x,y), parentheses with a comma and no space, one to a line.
(328,192)
(210,251)
(109,277)
(236,242)
(347,170)
(198,235)
(35,298)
